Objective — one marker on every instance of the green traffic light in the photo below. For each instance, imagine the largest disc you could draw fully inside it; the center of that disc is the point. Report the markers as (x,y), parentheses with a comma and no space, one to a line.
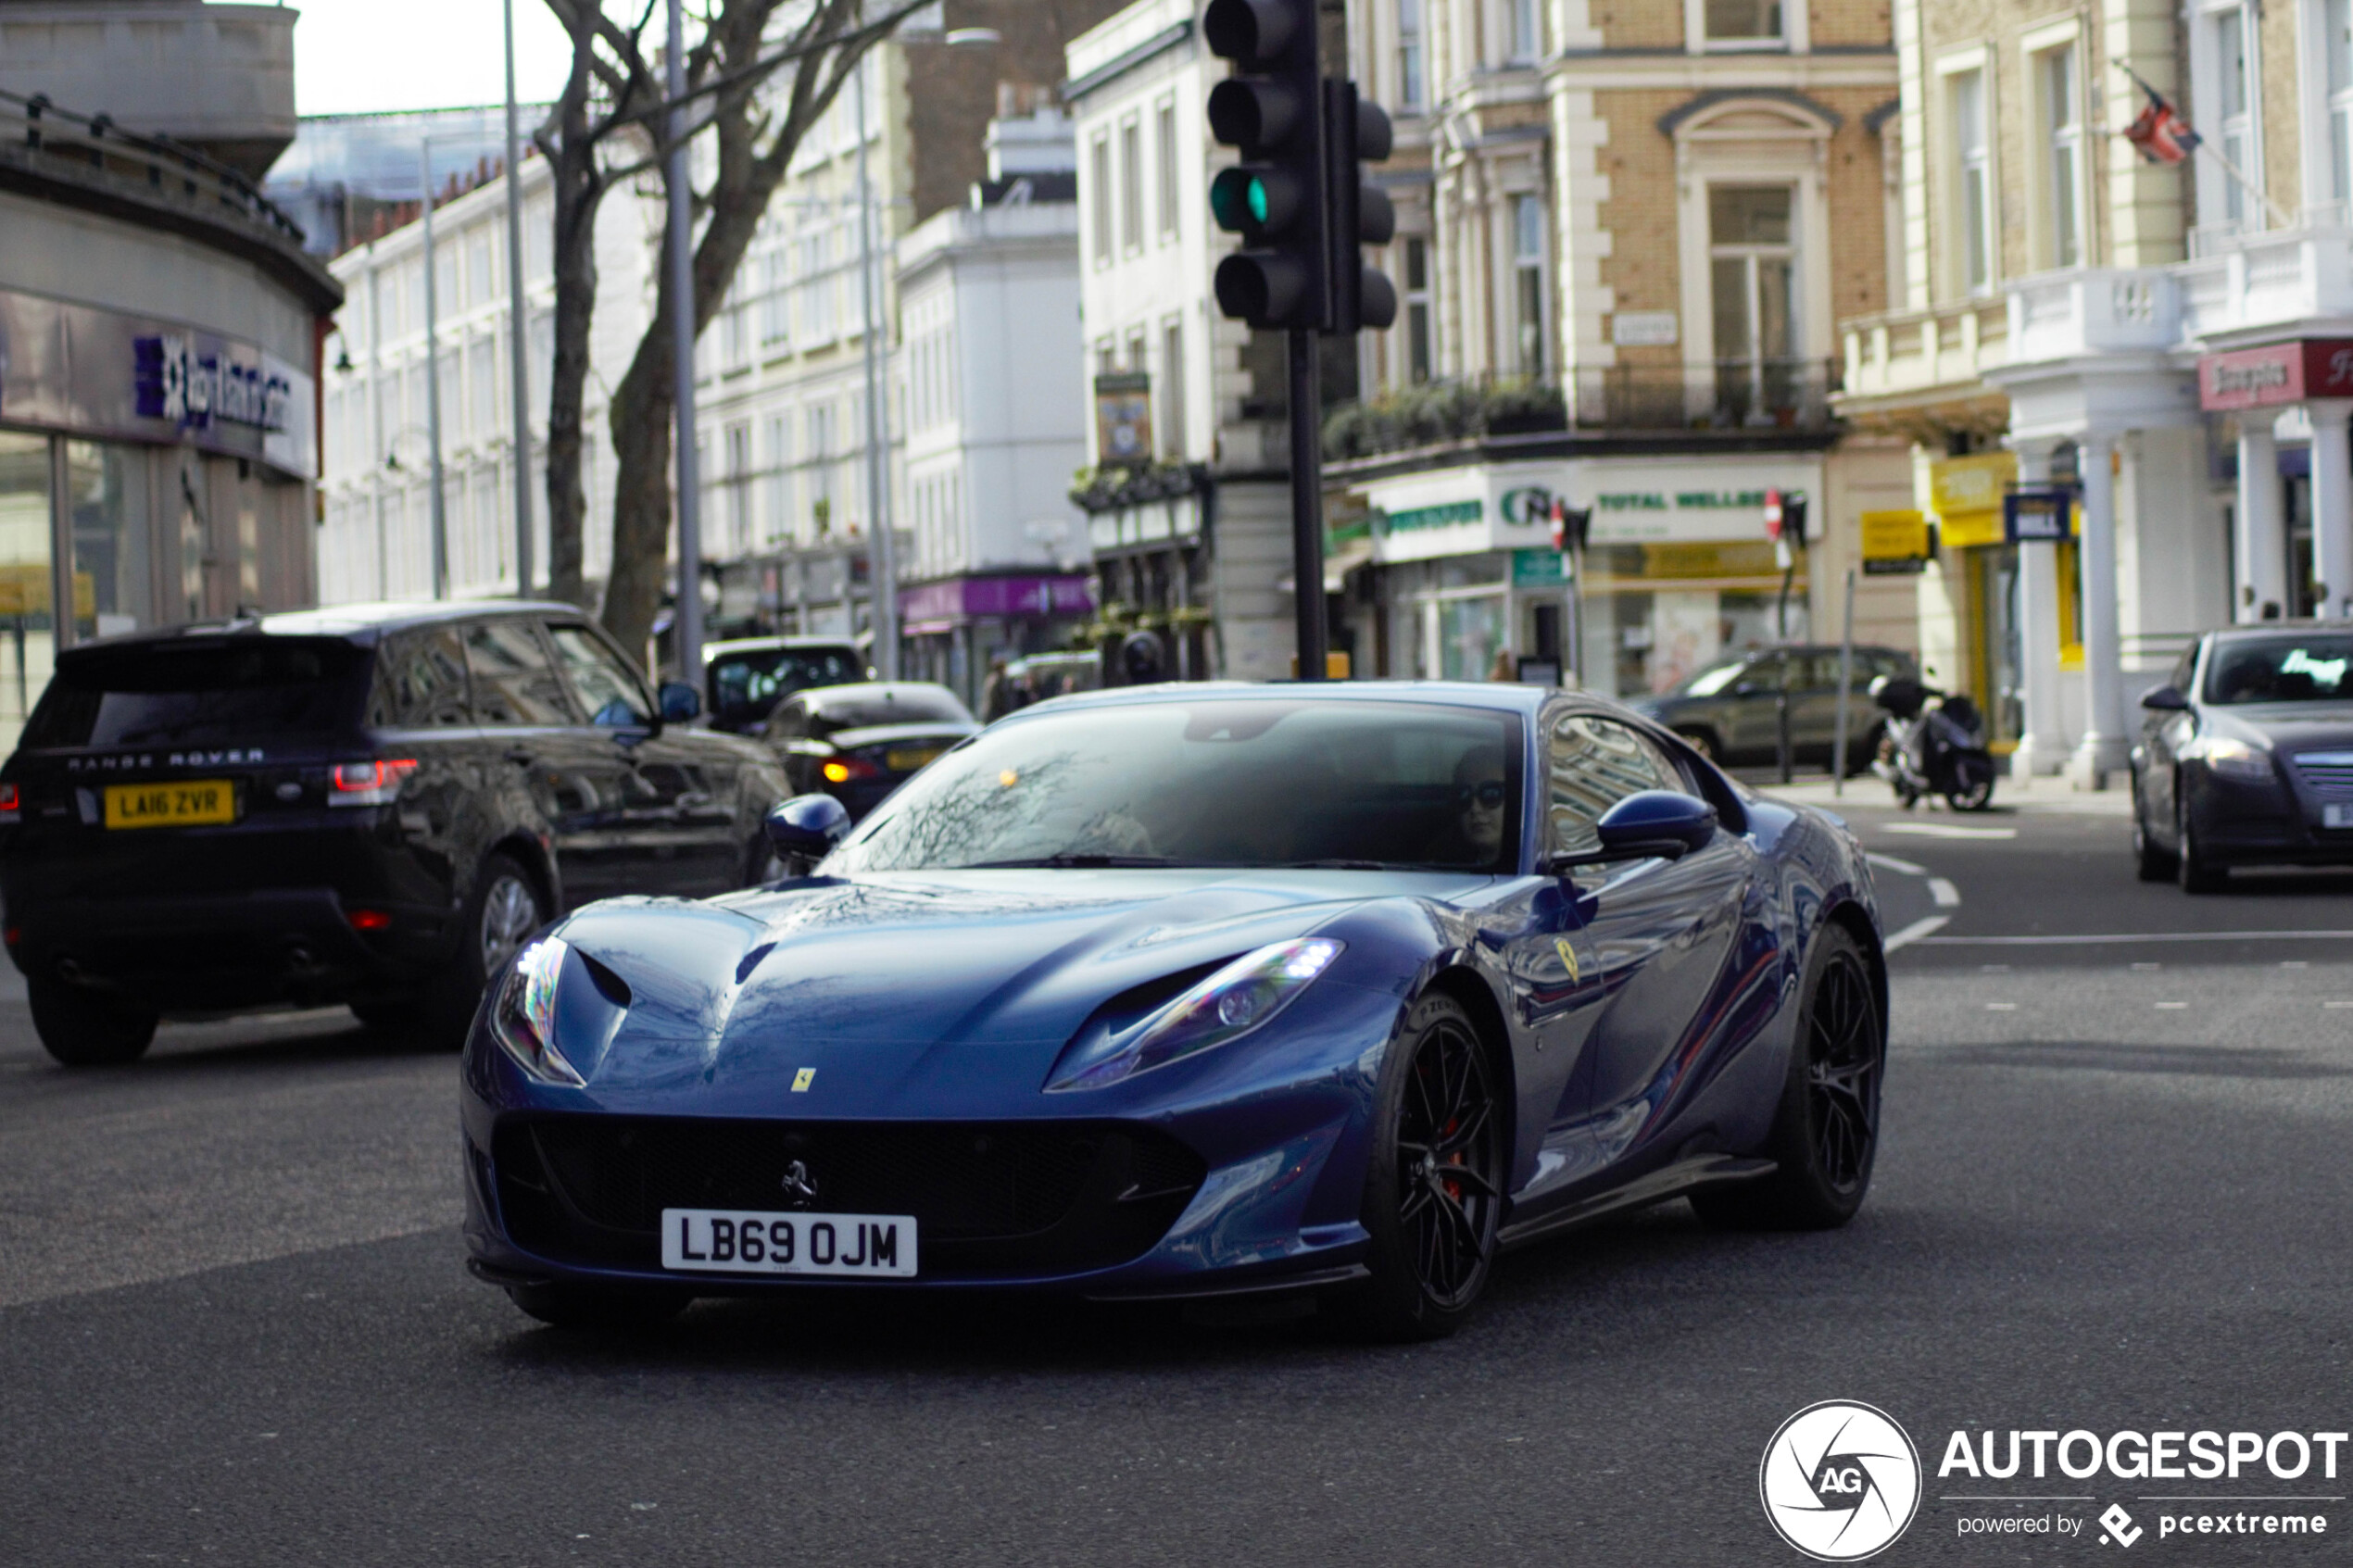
(1258,200)
(1236,200)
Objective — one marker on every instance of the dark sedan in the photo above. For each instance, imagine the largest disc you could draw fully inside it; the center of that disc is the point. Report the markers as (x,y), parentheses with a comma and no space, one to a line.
(2245,756)
(1732,710)
(858,743)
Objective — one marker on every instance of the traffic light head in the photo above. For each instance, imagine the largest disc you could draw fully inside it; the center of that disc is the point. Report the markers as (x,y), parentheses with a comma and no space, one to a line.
(1361,214)
(1256,34)
(1271,110)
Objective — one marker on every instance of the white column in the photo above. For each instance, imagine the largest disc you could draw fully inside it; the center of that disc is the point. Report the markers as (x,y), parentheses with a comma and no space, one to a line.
(2332,506)
(2105,748)
(2258,540)
(2042,747)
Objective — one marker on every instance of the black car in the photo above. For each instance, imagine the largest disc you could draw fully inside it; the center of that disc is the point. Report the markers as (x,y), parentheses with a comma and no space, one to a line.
(1038,677)
(371,807)
(745,678)
(1731,711)
(2245,756)
(858,743)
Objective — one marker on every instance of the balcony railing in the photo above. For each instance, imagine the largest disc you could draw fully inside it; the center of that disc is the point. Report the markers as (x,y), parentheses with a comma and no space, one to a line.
(1744,397)
(1903,352)
(35,134)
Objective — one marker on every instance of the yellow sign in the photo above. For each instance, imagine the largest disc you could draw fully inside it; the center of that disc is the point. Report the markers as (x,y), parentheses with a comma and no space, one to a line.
(170,805)
(1568,957)
(1894,536)
(24,590)
(1965,495)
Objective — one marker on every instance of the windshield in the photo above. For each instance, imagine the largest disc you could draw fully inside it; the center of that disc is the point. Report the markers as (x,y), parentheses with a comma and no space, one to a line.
(1249,782)
(175,695)
(758,679)
(2311,668)
(1707,682)
(902,706)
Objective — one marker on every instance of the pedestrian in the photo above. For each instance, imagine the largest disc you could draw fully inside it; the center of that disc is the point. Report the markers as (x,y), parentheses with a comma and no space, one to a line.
(1506,667)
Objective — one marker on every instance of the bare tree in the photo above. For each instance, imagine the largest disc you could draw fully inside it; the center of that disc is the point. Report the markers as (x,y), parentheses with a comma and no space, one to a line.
(758,80)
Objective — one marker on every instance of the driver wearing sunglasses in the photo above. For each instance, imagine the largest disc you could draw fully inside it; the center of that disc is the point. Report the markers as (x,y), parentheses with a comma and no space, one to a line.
(1475,836)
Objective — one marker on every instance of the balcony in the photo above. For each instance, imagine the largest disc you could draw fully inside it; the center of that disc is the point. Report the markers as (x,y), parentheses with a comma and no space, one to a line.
(1911,356)
(1767,398)
(2275,280)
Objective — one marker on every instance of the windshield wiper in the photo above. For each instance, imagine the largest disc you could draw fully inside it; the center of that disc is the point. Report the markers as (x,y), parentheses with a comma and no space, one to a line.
(1347,865)
(1085,861)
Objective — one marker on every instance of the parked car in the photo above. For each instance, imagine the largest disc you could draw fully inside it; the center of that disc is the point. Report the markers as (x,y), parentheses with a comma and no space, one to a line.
(1039,676)
(1731,711)
(372,806)
(744,678)
(2245,756)
(858,743)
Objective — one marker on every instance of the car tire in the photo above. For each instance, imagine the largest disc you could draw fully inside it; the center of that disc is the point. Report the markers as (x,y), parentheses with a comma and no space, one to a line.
(84,1029)
(2152,863)
(593,1310)
(2191,870)
(1434,1185)
(1825,1135)
(1704,742)
(504,908)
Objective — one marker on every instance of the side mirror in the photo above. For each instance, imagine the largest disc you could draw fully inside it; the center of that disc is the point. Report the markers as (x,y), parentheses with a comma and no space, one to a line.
(1662,824)
(679,702)
(808,826)
(2165,699)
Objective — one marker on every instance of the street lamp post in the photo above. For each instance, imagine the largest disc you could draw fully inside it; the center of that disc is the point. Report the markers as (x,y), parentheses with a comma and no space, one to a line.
(885,557)
(433,380)
(686,627)
(520,366)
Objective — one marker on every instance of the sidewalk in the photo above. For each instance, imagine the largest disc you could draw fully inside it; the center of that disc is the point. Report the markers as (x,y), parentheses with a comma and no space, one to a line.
(2042,795)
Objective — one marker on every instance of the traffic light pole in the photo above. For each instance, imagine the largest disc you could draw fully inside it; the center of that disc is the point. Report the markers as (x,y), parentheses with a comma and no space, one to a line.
(1307,504)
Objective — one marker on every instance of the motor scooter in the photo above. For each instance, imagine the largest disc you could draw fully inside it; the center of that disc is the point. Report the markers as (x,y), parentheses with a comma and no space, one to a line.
(1931,743)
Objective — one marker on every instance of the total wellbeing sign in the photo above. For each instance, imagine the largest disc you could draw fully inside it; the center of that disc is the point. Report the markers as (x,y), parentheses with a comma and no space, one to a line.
(1473,509)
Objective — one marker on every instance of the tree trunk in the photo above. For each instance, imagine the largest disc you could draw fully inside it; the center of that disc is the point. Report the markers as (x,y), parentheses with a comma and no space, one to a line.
(643,407)
(578,188)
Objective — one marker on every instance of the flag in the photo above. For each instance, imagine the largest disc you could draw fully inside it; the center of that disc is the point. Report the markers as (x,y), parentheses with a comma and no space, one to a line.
(2160,133)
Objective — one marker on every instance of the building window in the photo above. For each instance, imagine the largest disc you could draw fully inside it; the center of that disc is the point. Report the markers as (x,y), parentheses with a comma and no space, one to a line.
(1165,121)
(1172,389)
(1417,310)
(821,472)
(1409,56)
(1744,23)
(2063,125)
(1131,182)
(1528,284)
(1099,166)
(1528,30)
(2339,49)
(739,488)
(1973,179)
(2236,101)
(779,461)
(1752,275)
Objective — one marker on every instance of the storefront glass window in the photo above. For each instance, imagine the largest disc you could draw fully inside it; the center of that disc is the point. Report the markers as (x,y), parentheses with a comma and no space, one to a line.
(1469,632)
(28,634)
(111,581)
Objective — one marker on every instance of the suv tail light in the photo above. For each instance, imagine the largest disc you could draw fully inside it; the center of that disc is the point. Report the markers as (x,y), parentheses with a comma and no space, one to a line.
(11,803)
(841,769)
(368,784)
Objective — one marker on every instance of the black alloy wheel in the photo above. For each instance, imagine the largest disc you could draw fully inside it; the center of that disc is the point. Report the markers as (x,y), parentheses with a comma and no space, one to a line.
(1825,1136)
(1972,788)
(2149,862)
(2191,870)
(504,909)
(1434,1191)
(86,1029)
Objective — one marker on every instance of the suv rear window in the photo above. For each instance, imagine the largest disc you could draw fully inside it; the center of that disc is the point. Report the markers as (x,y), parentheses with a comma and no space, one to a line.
(757,679)
(174,695)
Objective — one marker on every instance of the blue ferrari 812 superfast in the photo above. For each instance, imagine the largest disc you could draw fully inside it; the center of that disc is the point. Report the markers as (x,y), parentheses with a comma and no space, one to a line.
(1191,992)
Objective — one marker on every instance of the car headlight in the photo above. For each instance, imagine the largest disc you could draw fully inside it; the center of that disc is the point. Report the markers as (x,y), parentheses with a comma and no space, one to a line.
(1237,1000)
(523,1018)
(2230,758)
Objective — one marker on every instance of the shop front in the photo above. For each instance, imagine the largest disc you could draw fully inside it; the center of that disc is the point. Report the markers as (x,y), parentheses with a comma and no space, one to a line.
(1678,567)
(955,630)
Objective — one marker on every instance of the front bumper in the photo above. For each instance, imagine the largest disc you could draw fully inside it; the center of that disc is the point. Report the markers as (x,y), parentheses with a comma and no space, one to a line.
(2249,823)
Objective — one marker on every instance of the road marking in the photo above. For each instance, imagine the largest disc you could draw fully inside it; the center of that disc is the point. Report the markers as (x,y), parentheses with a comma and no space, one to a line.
(1946,895)
(2001,1007)
(1892,863)
(1918,931)
(2171,1007)
(2077,940)
(2336,1007)
(2143,968)
(1946,830)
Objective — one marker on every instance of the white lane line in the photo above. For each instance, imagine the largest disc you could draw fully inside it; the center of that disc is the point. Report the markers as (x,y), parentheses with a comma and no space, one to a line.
(1892,863)
(1945,830)
(2079,940)
(2171,1007)
(1918,931)
(1947,897)
(2001,1007)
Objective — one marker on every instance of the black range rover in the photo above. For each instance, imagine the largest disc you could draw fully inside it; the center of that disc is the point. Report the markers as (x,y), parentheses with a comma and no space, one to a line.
(371,806)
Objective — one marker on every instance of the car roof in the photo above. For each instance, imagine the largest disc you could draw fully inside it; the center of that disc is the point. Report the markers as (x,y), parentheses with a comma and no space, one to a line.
(774,644)
(2274,628)
(861,691)
(1498,696)
(359,622)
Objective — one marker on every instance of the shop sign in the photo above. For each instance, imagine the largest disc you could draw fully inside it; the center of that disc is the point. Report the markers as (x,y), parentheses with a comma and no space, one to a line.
(2276,373)
(1453,514)
(1530,505)
(1965,495)
(1643,328)
(1897,544)
(1538,569)
(972,597)
(175,380)
(2037,516)
(1123,418)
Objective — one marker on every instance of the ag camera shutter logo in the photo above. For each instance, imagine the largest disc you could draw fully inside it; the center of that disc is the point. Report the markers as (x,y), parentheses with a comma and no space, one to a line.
(1840,1481)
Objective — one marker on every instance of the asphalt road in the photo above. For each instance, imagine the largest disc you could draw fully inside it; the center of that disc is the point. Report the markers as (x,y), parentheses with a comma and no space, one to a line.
(2112,1194)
